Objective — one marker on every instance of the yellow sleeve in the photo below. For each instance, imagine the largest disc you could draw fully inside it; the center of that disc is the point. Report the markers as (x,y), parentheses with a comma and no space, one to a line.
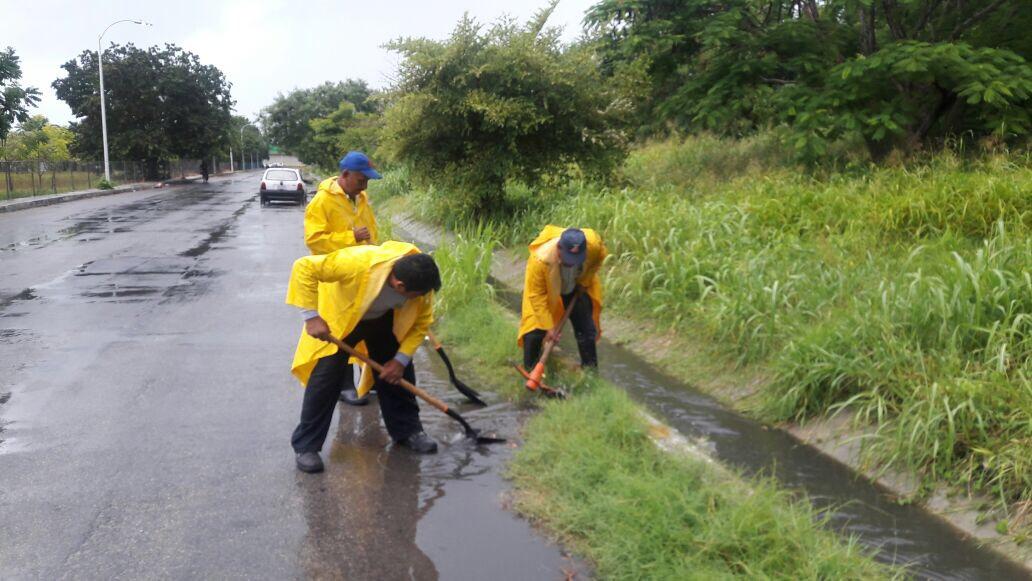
(535,286)
(309,271)
(319,237)
(417,333)
(592,270)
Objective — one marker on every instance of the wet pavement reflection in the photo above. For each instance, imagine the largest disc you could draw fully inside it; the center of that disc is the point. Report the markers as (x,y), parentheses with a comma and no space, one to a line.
(380,511)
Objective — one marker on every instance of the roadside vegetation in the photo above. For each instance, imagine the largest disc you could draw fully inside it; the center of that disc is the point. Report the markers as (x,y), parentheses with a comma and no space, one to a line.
(832,196)
(589,471)
(901,294)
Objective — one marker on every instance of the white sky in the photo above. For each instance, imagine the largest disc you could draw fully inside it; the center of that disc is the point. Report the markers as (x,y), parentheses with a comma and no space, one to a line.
(264,47)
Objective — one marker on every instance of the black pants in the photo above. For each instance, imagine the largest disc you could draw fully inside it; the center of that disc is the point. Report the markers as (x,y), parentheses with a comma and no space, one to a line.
(398,407)
(583,330)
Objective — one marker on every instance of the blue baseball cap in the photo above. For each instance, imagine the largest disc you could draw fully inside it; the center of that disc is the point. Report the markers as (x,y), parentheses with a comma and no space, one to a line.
(573,246)
(358,161)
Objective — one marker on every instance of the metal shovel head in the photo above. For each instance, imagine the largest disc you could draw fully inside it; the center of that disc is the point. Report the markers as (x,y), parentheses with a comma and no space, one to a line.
(474,434)
(470,393)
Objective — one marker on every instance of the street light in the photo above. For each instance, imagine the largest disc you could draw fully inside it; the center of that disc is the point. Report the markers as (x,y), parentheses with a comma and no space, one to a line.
(103,113)
(242,127)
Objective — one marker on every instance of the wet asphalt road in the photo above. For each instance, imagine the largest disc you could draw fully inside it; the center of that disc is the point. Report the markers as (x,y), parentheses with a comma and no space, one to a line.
(146,406)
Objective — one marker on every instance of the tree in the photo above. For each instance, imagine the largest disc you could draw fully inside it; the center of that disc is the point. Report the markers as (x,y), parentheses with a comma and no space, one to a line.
(485,107)
(38,139)
(287,122)
(343,130)
(15,100)
(161,102)
(254,140)
(899,73)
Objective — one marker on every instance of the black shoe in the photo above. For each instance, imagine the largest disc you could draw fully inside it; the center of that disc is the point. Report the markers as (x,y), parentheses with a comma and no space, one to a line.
(350,397)
(309,462)
(421,443)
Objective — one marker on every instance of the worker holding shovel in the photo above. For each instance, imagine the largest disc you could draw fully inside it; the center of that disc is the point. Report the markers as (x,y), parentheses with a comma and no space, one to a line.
(562,275)
(380,302)
(340,216)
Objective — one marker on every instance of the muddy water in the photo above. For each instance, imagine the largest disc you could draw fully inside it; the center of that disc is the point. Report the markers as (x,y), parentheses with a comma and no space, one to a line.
(381,512)
(900,534)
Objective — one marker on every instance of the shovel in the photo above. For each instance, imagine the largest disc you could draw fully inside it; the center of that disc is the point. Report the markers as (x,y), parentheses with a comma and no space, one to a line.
(534,377)
(470,432)
(470,393)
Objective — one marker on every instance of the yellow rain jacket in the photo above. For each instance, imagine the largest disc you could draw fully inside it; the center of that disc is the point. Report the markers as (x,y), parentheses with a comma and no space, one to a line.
(330,218)
(542,304)
(359,273)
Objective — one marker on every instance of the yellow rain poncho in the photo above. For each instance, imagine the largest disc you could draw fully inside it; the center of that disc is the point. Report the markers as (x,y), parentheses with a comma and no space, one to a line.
(542,304)
(359,273)
(330,218)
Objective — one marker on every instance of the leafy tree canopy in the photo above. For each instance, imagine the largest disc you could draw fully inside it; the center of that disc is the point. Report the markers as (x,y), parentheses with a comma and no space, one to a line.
(508,102)
(15,100)
(344,130)
(38,139)
(287,122)
(896,72)
(161,102)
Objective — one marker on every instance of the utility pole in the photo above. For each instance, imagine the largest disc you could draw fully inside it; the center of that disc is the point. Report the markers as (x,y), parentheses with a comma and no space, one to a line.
(103,112)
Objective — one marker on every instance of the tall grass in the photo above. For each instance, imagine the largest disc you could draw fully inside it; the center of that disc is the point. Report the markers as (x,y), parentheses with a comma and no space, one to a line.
(589,471)
(902,293)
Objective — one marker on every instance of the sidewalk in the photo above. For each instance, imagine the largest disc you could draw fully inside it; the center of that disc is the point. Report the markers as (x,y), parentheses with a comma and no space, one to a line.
(36,201)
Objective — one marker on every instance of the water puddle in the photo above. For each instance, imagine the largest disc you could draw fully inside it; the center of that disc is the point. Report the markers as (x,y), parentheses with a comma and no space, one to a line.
(901,534)
(381,512)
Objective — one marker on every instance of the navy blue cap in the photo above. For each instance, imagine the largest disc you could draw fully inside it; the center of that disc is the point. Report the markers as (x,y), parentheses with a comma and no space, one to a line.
(573,246)
(358,161)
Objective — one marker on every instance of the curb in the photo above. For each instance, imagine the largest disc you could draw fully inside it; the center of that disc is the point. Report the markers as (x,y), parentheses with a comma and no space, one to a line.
(25,204)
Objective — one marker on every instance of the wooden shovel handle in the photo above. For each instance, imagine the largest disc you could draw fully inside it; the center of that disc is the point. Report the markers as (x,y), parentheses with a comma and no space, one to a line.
(547,350)
(433,340)
(379,369)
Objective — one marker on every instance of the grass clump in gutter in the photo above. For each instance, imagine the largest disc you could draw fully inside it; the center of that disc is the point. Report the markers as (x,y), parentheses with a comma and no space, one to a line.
(589,471)
(901,293)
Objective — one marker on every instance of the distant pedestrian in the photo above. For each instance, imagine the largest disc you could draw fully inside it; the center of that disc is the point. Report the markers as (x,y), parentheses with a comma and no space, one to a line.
(204,170)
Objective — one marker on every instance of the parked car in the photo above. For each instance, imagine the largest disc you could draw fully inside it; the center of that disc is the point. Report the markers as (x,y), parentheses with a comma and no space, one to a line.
(282,184)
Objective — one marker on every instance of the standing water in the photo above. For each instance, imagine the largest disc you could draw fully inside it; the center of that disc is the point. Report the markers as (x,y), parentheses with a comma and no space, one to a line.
(903,535)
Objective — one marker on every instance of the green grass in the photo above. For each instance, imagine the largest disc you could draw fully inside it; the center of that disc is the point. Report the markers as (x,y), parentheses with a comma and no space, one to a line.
(590,473)
(901,293)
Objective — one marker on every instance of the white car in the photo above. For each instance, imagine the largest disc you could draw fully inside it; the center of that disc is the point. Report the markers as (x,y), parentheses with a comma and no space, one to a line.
(282,184)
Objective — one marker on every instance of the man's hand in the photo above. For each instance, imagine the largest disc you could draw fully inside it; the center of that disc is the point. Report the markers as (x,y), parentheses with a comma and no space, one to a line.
(317,328)
(553,335)
(392,372)
(361,234)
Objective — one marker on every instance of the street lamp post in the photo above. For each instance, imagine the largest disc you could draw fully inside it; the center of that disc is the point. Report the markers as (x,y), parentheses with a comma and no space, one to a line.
(103,113)
(242,127)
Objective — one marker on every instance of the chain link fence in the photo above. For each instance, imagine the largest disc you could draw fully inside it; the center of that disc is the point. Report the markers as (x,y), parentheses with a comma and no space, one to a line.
(36,178)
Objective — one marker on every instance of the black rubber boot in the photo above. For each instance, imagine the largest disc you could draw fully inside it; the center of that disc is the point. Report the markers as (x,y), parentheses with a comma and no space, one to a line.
(309,462)
(350,397)
(421,443)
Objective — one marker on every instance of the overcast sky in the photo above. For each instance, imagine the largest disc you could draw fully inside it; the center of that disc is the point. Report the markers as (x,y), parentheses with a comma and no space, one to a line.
(264,47)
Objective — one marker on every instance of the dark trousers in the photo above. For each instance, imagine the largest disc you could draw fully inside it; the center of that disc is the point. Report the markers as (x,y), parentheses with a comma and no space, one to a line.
(583,330)
(398,407)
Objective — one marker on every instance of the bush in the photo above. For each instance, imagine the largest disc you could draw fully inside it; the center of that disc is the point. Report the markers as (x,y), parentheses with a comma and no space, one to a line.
(483,108)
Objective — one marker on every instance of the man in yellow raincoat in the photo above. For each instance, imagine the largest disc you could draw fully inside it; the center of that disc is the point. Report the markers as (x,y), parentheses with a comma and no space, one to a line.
(340,216)
(381,304)
(561,261)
